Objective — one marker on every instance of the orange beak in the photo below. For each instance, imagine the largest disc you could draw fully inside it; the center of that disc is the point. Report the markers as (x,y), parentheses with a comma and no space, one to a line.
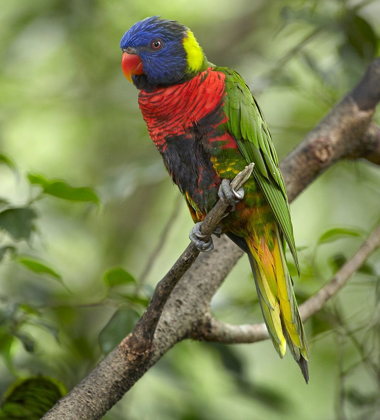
(131,65)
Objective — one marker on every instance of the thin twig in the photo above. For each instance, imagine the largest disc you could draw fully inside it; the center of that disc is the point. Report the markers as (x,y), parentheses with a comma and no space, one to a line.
(315,303)
(161,241)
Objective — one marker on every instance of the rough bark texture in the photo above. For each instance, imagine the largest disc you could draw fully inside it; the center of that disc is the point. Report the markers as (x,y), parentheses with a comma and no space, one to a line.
(345,133)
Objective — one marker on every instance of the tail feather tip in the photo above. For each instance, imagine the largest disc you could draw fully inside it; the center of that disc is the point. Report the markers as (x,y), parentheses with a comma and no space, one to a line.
(303,364)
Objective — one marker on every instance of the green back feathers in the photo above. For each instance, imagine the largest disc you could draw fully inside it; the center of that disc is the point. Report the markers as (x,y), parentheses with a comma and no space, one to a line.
(246,123)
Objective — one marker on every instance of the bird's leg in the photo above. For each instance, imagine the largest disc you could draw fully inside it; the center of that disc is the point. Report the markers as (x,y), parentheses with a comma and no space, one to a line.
(229,195)
(199,239)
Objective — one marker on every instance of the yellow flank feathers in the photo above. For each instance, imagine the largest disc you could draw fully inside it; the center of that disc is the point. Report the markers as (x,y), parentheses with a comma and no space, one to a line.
(195,56)
(285,303)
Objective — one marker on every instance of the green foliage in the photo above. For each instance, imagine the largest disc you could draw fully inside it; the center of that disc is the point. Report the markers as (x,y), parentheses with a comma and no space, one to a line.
(61,189)
(5,160)
(119,326)
(336,233)
(118,277)
(31,398)
(68,113)
(361,36)
(18,222)
(7,249)
(38,267)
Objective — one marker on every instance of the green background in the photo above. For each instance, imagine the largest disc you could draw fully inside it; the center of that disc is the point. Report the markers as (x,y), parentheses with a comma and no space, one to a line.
(67,113)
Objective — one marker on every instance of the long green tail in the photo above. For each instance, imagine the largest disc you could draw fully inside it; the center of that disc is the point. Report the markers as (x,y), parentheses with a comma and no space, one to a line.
(277,299)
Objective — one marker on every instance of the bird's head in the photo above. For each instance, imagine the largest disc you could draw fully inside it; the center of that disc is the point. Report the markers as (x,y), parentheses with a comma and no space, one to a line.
(159,52)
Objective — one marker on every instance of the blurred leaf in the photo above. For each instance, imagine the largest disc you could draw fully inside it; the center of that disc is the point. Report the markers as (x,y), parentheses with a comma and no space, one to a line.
(82,348)
(361,37)
(307,272)
(236,365)
(38,267)
(4,202)
(334,234)
(63,190)
(46,325)
(18,222)
(368,268)
(7,249)
(320,323)
(358,399)
(312,64)
(230,359)
(307,14)
(266,395)
(6,341)
(118,327)
(118,277)
(136,300)
(28,309)
(301,248)
(337,261)
(26,341)
(5,160)
(351,63)
(194,413)
(292,268)
(31,398)
(302,296)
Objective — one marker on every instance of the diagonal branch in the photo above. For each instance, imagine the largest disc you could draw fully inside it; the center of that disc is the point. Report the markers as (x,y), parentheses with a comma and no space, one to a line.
(345,133)
(316,302)
(160,243)
(211,329)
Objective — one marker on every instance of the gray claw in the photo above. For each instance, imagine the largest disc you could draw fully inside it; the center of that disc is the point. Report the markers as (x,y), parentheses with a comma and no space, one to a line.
(239,194)
(218,231)
(198,239)
(229,195)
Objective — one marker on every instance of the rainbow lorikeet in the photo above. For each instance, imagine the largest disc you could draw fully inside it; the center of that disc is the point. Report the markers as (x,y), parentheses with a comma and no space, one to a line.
(207,126)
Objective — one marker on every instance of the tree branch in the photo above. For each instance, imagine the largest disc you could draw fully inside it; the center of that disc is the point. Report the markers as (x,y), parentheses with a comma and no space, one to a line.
(316,302)
(210,329)
(161,241)
(345,133)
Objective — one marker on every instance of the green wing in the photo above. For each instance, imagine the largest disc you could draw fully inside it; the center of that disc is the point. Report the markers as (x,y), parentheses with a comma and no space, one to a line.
(246,123)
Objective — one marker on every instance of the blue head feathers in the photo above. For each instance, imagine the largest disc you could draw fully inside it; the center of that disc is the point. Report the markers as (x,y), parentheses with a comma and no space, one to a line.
(167,49)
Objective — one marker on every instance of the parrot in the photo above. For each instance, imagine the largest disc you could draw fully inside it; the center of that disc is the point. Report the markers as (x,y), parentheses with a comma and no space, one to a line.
(207,126)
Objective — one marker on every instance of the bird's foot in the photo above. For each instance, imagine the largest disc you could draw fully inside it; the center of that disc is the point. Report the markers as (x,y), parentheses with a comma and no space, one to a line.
(199,239)
(218,231)
(229,195)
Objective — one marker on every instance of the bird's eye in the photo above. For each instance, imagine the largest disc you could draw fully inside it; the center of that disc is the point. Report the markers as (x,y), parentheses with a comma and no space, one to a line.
(156,44)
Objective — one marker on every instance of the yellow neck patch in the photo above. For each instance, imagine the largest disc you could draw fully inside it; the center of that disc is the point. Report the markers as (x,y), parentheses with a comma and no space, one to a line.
(195,56)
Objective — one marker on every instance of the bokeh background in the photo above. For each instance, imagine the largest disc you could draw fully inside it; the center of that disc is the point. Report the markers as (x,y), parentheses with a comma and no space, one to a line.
(73,271)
